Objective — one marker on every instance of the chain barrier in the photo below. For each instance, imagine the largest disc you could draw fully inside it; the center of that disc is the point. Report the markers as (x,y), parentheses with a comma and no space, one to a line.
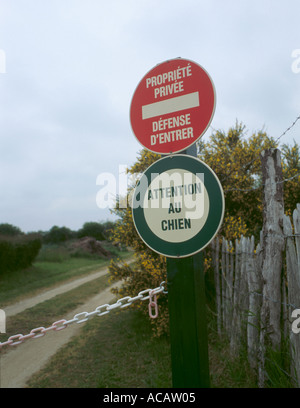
(147,294)
(153,307)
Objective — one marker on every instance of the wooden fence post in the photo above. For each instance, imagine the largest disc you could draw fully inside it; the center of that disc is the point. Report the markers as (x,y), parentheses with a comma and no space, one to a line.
(293,283)
(254,285)
(216,265)
(244,291)
(273,245)
(224,286)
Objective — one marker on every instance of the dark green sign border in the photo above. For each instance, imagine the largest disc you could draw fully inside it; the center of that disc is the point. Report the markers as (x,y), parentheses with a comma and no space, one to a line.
(215,215)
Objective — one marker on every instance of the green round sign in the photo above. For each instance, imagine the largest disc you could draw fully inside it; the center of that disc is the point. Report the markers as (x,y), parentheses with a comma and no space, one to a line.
(178,206)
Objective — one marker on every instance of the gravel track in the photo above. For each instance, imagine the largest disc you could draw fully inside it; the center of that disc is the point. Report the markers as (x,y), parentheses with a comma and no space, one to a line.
(22,361)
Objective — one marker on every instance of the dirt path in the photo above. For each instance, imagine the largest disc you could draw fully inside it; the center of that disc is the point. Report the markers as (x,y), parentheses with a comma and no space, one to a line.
(41,297)
(22,361)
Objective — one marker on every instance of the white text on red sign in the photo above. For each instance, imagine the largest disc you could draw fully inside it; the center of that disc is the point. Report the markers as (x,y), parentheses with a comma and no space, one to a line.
(166,84)
(170,76)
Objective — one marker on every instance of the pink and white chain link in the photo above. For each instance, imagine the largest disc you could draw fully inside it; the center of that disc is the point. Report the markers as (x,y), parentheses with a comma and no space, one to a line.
(84,316)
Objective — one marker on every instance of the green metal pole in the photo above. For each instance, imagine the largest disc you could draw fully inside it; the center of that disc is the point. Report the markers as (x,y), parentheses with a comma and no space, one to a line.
(188,326)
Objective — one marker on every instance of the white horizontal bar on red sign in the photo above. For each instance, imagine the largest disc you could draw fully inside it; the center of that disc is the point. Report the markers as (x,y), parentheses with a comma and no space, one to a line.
(171,105)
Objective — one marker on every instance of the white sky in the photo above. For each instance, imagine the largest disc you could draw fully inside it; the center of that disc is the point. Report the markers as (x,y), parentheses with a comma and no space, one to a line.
(71,68)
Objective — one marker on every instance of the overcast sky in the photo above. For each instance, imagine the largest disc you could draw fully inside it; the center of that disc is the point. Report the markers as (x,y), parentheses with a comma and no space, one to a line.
(69,68)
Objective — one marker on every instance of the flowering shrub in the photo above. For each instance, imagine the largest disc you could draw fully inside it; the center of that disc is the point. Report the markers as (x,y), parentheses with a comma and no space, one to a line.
(236,162)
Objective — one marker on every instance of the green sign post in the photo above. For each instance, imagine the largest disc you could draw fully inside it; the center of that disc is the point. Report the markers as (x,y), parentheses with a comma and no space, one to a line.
(178,208)
(178,204)
(188,327)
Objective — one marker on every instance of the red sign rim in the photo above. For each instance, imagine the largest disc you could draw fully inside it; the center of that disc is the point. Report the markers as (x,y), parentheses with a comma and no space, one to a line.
(172,106)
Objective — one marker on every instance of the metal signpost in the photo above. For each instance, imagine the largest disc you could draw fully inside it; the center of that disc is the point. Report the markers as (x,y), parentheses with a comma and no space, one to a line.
(178,204)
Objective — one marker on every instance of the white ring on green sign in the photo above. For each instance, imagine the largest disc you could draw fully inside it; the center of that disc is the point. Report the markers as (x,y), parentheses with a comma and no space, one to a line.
(176,205)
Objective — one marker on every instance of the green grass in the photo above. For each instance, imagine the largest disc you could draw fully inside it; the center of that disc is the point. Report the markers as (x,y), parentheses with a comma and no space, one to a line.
(277,366)
(43,275)
(226,370)
(119,351)
(46,274)
(45,313)
(116,350)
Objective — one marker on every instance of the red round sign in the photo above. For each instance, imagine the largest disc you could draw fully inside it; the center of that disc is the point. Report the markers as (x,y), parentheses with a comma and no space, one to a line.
(172,106)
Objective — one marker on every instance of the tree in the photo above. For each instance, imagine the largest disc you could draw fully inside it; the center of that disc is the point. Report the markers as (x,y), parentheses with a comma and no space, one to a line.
(236,161)
(10,230)
(92,229)
(57,235)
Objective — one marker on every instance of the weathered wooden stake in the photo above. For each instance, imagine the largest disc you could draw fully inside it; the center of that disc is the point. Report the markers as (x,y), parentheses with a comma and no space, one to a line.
(272,246)
(293,283)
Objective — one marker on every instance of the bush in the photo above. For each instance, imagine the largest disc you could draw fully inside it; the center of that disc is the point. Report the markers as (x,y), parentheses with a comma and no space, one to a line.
(18,252)
(8,229)
(57,235)
(108,229)
(93,230)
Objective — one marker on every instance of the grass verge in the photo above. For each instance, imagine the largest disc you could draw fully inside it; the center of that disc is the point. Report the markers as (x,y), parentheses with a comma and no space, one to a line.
(45,313)
(119,351)
(227,370)
(116,351)
(46,275)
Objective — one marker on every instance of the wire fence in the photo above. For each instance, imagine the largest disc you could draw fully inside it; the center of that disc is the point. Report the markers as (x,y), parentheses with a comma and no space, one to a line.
(245,288)
(261,186)
(288,129)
